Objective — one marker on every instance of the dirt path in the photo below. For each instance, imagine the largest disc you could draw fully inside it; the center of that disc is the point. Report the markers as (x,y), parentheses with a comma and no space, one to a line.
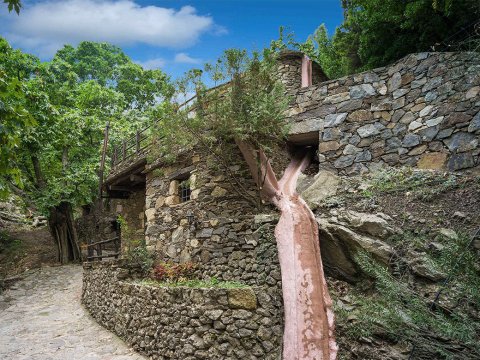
(41,318)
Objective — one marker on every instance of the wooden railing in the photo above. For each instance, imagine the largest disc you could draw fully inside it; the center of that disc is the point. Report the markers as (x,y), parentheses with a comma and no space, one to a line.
(138,143)
(131,147)
(98,247)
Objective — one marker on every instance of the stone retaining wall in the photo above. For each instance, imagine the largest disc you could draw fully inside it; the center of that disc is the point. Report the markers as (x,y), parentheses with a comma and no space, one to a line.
(421,111)
(184,323)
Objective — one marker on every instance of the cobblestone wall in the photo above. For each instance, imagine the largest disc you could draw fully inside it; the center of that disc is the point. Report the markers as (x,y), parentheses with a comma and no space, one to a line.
(184,323)
(421,111)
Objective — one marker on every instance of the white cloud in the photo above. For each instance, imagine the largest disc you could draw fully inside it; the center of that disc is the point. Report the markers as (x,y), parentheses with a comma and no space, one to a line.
(151,64)
(46,26)
(185,59)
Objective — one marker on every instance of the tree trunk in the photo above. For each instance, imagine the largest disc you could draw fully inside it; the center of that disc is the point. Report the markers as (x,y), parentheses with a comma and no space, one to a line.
(60,219)
(62,228)
(309,319)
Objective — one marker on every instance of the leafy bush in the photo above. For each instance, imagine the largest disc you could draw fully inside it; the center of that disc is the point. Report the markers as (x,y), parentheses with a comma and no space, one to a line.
(134,248)
(171,272)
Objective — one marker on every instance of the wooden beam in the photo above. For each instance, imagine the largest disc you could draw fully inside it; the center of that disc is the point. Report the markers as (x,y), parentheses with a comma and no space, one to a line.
(120,188)
(137,178)
(102,160)
(181,174)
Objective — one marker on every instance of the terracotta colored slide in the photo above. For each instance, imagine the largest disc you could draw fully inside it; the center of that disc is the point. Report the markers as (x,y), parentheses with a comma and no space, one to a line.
(309,318)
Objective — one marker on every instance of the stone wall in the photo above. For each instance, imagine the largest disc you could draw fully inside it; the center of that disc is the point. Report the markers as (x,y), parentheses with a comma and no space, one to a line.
(101,224)
(290,71)
(421,111)
(217,228)
(184,323)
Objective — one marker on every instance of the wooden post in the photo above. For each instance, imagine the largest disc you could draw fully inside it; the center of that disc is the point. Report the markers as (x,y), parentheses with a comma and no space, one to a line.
(124,149)
(102,161)
(99,252)
(114,155)
(138,142)
(89,249)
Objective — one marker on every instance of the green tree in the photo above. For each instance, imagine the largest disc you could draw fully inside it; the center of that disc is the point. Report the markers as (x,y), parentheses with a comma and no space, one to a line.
(377,32)
(13,5)
(70,99)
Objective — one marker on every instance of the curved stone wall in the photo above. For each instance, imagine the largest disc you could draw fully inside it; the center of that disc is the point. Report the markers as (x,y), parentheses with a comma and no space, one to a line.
(184,323)
(422,111)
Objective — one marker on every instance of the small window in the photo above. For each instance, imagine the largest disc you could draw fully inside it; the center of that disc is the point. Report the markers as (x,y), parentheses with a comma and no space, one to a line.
(184,190)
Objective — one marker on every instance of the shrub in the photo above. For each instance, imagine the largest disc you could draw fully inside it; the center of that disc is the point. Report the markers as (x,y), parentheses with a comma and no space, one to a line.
(171,272)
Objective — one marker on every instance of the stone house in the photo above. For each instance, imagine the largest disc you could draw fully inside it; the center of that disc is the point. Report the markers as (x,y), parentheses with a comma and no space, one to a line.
(422,111)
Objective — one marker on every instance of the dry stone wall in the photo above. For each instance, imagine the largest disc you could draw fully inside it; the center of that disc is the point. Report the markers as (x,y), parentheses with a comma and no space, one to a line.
(184,323)
(422,111)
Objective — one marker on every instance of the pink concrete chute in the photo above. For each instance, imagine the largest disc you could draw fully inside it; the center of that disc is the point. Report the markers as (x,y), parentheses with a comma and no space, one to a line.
(309,318)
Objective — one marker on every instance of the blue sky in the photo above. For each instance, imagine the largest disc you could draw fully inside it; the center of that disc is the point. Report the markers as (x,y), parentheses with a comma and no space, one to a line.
(174,35)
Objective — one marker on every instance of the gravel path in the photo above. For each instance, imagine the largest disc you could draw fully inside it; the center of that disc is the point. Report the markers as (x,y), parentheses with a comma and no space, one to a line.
(41,318)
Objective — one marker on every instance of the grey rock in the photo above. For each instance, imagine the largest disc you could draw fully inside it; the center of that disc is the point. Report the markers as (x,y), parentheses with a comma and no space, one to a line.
(306,126)
(346,233)
(354,140)
(461,142)
(395,82)
(422,266)
(392,144)
(204,233)
(325,184)
(418,83)
(475,123)
(265,218)
(368,130)
(407,118)
(331,134)
(435,121)
(350,150)
(335,119)
(430,96)
(344,161)
(398,103)
(350,105)
(432,83)
(399,129)
(460,161)
(361,91)
(428,134)
(363,156)
(442,134)
(411,140)
(399,93)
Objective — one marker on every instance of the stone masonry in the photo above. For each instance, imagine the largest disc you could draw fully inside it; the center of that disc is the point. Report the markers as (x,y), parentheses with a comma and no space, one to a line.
(422,111)
(184,323)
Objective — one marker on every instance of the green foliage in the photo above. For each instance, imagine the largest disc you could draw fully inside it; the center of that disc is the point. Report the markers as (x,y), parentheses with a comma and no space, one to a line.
(378,32)
(248,105)
(14,114)
(134,248)
(13,5)
(397,311)
(211,283)
(54,114)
